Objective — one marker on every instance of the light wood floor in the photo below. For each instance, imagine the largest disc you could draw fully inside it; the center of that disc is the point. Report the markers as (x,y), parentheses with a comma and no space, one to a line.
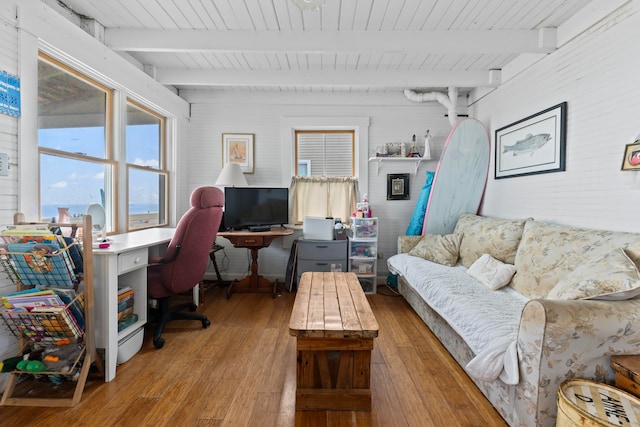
(241,371)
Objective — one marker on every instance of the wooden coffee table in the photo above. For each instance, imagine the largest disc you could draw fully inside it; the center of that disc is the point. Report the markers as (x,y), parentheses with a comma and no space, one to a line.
(334,329)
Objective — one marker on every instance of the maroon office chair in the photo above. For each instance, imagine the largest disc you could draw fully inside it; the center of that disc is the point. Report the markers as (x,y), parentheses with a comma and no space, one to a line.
(183,265)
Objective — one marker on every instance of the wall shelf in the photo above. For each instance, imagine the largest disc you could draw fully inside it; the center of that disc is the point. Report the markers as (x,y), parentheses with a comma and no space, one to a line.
(415,160)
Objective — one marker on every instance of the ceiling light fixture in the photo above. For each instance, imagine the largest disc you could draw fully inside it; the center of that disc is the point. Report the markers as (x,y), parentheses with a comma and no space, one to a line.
(309,4)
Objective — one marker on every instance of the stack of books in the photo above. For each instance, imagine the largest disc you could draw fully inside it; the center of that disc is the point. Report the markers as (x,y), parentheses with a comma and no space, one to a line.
(44,315)
(126,316)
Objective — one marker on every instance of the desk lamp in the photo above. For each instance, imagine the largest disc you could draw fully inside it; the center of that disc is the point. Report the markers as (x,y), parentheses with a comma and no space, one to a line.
(231,176)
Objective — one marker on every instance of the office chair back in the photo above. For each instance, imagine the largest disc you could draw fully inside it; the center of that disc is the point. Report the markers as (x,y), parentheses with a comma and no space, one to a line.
(187,256)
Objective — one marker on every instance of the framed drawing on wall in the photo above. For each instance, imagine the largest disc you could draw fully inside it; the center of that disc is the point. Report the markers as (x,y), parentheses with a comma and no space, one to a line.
(533,145)
(631,161)
(397,186)
(238,148)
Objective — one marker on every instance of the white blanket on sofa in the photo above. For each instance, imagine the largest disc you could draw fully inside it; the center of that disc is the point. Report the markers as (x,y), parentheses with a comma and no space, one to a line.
(487,320)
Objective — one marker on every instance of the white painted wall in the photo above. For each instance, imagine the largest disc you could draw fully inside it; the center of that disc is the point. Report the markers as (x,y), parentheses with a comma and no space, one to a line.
(597,74)
(392,118)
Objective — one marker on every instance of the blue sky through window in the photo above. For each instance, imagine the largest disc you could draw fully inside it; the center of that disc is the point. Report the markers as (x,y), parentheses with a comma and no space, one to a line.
(70,182)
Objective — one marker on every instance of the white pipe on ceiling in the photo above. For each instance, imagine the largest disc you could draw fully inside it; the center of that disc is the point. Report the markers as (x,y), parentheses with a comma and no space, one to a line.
(448,101)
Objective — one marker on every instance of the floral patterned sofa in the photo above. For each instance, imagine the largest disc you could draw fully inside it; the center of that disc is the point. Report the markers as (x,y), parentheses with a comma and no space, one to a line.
(574,303)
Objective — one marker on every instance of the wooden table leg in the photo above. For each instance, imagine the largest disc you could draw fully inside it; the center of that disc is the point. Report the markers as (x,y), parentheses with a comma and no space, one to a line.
(342,385)
(253,282)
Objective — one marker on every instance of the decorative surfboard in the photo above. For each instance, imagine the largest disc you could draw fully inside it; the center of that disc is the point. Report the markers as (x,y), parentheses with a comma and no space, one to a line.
(460,179)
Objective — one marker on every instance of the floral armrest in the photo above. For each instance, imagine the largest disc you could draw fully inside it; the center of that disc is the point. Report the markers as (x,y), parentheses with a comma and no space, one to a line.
(406,243)
(561,339)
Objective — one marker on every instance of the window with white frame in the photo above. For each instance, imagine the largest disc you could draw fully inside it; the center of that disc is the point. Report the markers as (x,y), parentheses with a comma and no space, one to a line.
(324,184)
(326,153)
(147,176)
(74,142)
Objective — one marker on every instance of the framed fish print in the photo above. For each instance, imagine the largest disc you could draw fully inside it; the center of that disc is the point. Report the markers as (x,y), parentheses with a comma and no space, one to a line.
(533,145)
(238,148)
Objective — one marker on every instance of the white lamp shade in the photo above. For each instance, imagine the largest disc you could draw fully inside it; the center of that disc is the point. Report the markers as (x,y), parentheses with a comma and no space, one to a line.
(231,176)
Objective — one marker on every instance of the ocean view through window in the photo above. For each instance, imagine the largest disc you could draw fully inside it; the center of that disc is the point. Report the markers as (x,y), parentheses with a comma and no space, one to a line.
(84,158)
(147,177)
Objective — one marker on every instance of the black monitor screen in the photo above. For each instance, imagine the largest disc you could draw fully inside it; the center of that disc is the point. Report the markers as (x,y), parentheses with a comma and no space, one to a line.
(252,206)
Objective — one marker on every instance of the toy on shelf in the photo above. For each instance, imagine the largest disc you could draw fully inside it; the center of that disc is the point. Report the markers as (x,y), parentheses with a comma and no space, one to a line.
(363,209)
(413,151)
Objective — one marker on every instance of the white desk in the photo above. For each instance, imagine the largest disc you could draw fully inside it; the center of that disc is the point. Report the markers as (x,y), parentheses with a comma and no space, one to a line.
(124,263)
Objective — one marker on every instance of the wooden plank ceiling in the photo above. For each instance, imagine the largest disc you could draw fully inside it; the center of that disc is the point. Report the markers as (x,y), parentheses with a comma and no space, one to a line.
(347,45)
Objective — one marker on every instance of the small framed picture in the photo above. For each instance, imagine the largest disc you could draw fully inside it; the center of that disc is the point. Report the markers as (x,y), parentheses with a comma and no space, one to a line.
(238,148)
(631,161)
(395,149)
(398,186)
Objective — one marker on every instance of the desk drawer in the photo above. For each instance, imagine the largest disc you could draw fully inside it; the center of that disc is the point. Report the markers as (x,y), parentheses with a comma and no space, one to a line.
(132,260)
(322,250)
(249,241)
(321,265)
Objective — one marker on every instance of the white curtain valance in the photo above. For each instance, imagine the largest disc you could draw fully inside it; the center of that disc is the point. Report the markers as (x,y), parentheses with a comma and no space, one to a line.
(322,196)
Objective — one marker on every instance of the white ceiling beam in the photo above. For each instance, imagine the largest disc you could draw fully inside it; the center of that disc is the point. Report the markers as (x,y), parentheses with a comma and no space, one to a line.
(580,22)
(344,78)
(436,41)
(585,18)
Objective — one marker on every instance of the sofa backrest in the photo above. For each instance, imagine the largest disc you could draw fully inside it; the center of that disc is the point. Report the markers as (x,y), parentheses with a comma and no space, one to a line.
(547,252)
(484,235)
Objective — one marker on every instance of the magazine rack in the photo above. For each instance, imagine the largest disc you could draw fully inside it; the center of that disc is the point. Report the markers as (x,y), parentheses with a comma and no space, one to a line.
(38,388)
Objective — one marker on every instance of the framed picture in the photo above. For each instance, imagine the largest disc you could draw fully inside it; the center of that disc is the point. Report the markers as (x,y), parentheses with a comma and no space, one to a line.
(238,148)
(397,186)
(631,161)
(533,145)
(395,149)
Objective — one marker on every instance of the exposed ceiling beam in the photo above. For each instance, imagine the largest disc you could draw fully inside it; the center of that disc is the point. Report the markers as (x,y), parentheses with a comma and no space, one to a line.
(436,41)
(343,78)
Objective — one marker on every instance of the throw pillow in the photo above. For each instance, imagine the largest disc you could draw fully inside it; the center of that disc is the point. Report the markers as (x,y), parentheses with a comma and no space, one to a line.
(612,276)
(548,252)
(441,249)
(490,272)
(417,219)
(485,235)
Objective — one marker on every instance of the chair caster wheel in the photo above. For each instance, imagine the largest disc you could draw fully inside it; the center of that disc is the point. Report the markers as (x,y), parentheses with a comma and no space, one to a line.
(158,343)
(193,307)
(206,323)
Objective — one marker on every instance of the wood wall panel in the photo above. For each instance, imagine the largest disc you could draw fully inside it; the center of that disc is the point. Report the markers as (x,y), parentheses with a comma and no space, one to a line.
(9,146)
(596,73)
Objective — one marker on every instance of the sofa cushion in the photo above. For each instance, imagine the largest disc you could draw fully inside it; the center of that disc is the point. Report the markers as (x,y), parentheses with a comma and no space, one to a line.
(548,252)
(483,235)
(612,276)
(491,273)
(441,249)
